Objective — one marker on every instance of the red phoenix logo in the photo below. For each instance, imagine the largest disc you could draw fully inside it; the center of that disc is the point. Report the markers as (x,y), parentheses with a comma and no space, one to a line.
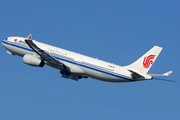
(148,61)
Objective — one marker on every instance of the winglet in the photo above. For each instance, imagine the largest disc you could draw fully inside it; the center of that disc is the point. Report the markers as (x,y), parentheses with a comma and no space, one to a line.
(168,73)
(29,37)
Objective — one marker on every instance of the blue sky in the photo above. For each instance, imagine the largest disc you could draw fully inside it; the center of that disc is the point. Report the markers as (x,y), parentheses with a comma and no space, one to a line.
(115,31)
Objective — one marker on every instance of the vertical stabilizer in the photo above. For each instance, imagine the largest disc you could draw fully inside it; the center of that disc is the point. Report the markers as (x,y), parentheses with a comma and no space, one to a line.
(144,63)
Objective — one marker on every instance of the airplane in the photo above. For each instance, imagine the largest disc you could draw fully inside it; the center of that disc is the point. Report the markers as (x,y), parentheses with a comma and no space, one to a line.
(76,66)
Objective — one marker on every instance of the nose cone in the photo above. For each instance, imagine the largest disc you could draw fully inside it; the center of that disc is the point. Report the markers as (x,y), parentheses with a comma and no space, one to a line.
(4,42)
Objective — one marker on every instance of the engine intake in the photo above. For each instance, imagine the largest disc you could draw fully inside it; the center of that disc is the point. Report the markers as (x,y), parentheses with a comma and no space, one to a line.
(33,60)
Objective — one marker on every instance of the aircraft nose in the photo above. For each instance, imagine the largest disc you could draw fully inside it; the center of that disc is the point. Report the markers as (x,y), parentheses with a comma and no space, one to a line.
(3,41)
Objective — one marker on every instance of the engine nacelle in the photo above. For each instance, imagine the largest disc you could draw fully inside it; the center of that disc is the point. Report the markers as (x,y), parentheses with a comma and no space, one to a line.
(33,60)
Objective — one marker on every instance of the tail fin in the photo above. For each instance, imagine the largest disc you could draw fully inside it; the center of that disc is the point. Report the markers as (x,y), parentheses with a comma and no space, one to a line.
(144,63)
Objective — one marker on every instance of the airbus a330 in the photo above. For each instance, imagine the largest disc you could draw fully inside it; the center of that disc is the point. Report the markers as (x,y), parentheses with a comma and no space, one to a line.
(76,66)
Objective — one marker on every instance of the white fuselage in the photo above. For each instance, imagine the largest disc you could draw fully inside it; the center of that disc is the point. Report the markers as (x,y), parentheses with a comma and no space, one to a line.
(91,67)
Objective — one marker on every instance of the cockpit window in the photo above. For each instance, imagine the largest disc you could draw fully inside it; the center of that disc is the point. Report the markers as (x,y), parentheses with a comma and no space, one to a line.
(6,38)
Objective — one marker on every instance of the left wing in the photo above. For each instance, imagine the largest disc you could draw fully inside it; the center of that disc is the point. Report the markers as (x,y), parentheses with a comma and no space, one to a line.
(46,57)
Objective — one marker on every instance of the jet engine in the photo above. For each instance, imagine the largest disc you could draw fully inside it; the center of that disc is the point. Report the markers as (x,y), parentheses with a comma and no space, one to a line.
(33,60)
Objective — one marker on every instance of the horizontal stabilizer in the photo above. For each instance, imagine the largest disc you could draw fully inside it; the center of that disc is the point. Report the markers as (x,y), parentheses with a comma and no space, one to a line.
(168,73)
(165,74)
